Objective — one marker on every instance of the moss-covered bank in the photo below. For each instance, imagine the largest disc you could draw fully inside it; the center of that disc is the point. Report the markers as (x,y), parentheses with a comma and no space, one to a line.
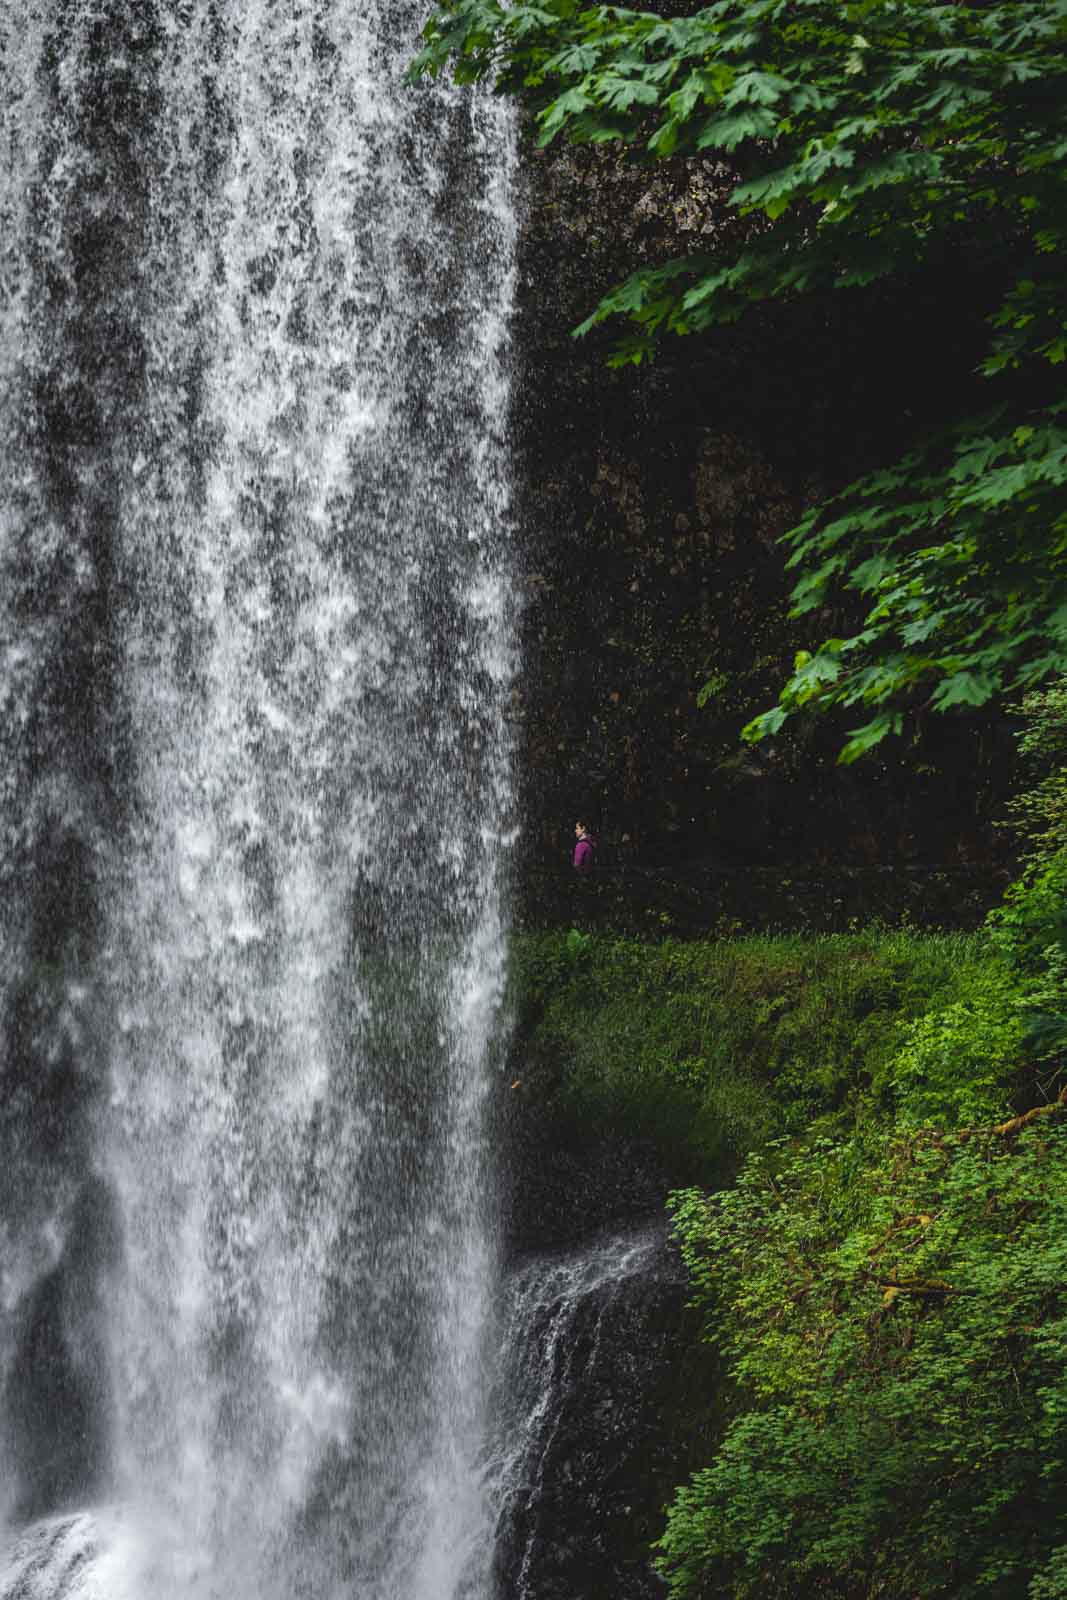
(870,1140)
(704,1050)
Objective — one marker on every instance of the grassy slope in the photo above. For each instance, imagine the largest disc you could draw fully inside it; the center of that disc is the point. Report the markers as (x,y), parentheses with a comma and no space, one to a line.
(712,1048)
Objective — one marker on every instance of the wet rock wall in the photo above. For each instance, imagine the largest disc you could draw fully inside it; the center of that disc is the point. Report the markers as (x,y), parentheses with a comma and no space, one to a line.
(651,504)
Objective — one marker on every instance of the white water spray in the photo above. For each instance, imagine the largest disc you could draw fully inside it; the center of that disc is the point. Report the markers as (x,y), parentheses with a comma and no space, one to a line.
(253,360)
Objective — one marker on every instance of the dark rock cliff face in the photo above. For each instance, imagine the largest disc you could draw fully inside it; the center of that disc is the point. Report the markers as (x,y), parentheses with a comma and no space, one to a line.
(609,1394)
(652,501)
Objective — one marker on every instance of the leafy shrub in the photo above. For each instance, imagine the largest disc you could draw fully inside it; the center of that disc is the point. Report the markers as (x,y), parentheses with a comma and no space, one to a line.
(956,1064)
(896,1313)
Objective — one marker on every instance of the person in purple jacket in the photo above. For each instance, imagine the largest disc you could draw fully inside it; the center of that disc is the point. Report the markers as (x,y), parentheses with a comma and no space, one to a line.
(583,849)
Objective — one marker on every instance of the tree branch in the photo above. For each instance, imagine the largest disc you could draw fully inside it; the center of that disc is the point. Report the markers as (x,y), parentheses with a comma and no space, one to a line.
(1006,1130)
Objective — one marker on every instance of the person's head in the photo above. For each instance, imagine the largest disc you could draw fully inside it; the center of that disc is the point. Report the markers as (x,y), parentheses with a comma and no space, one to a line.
(580,829)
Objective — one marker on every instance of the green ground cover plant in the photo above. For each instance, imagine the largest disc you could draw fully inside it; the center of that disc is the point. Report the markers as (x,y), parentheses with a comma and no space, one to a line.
(878,1245)
(894,1309)
(716,1047)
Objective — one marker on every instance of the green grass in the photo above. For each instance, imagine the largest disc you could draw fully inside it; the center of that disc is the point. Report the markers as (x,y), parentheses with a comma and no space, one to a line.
(712,1048)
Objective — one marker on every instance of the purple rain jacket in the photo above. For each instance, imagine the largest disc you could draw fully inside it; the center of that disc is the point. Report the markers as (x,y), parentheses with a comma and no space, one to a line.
(583,855)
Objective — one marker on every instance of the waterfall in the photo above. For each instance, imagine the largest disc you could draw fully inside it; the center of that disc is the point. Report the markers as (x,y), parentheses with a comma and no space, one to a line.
(254,800)
(581,1440)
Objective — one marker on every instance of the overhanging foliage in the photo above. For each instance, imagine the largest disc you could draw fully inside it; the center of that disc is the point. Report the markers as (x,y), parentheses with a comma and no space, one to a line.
(868,141)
